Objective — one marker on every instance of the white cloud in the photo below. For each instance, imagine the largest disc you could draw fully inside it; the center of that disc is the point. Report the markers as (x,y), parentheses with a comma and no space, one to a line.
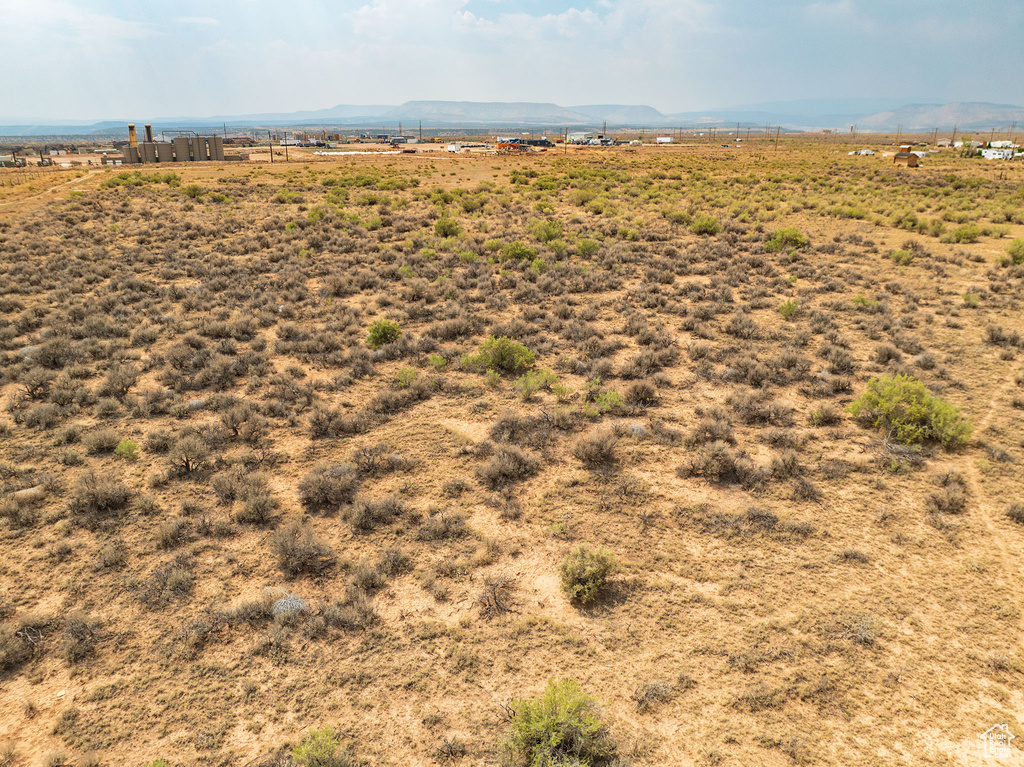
(69,23)
(118,57)
(199,21)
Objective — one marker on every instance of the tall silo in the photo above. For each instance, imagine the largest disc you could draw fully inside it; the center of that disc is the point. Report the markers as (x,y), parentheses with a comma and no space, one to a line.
(163,151)
(216,148)
(181,149)
(199,148)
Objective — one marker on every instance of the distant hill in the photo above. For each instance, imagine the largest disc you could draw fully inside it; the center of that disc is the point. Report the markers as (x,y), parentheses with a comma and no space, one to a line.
(841,114)
(486,113)
(620,114)
(965,116)
(870,115)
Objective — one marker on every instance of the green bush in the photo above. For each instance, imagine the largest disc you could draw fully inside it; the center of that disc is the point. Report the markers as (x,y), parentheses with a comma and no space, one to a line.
(127,449)
(705,225)
(787,237)
(517,251)
(902,406)
(547,231)
(584,572)
(322,748)
(966,233)
(447,227)
(587,247)
(1016,251)
(789,308)
(533,381)
(504,354)
(562,727)
(382,332)
(680,217)
(902,257)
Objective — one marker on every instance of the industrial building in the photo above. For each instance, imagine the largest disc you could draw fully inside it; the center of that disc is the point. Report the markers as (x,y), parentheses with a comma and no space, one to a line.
(181,149)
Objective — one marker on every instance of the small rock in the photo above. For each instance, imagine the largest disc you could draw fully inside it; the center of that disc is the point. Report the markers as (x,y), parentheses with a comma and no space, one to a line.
(30,495)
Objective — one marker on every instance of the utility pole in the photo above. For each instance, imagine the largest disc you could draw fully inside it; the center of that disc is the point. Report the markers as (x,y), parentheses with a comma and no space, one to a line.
(953,140)
(421,130)
(935,135)
(285,142)
(270,143)
(777,129)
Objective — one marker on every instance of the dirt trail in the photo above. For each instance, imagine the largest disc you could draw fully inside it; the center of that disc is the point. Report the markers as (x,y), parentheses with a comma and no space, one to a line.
(51,190)
(988,509)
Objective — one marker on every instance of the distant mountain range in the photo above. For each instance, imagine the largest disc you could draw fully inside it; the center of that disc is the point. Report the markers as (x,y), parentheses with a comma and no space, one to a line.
(869,115)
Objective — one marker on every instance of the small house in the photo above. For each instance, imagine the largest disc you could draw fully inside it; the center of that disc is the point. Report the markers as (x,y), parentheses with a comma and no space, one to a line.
(906,159)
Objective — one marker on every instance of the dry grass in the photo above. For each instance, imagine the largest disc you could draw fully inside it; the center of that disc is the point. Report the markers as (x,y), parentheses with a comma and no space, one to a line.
(791,586)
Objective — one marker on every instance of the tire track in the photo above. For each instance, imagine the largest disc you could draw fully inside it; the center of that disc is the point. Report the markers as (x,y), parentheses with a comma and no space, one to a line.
(1010,560)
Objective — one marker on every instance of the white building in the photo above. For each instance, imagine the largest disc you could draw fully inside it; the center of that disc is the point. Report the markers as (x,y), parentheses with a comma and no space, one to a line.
(997,154)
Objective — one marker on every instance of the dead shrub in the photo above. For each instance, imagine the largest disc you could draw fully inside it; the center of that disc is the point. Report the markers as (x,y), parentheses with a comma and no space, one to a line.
(1016,513)
(379,459)
(80,637)
(101,441)
(641,394)
(713,427)
(508,464)
(650,694)
(886,353)
(354,612)
(299,551)
(365,515)
(329,486)
(97,497)
(367,577)
(597,450)
(716,462)
(441,525)
(952,495)
(496,597)
(758,408)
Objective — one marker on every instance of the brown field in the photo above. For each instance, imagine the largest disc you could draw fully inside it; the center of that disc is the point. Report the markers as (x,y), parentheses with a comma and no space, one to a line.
(190,403)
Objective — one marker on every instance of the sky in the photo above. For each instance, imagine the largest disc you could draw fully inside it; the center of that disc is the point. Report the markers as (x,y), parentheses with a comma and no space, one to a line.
(86,60)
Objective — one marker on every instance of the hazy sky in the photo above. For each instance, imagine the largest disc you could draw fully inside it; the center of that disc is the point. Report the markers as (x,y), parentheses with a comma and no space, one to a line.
(91,59)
